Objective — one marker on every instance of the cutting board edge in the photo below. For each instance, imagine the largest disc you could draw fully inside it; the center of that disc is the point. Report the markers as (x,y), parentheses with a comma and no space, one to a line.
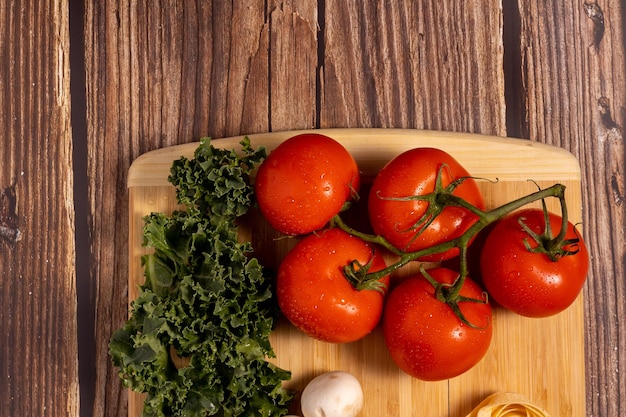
(148,168)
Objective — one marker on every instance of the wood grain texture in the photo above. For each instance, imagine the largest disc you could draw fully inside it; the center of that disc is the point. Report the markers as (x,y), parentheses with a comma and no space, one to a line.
(38,340)
(169,72)
(424,65)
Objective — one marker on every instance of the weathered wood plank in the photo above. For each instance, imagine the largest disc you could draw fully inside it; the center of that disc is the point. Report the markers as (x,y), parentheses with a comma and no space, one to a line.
(425,65)
(574,96)
(38,347)
(293,67)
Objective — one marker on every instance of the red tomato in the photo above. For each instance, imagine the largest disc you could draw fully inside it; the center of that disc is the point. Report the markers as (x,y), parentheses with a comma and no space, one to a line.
(528,283)
(413,173)
(304,182)
(316,297)
(424,336)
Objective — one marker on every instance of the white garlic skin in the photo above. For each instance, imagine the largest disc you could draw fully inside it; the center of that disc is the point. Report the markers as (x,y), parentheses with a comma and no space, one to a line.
(333,394)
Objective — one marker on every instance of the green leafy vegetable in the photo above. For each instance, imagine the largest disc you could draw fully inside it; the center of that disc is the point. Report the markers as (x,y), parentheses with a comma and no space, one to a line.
(205,299)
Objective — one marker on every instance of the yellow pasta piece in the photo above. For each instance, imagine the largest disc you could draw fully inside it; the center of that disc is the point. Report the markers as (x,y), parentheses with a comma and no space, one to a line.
(507,404)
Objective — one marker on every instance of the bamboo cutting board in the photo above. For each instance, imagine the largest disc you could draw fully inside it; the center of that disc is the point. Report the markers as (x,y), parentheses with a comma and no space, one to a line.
(543,359)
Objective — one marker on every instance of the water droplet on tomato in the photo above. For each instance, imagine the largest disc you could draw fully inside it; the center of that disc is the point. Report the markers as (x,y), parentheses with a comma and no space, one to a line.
(513,275)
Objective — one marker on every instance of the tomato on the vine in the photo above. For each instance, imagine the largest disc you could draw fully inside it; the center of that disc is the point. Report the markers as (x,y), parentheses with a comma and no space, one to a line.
(425,337)
(525,280)
(316,297)
(406,222)
(304,182)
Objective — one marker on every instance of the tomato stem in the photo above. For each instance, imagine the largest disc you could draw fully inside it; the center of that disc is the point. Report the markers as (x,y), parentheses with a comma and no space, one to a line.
(337,221)
(440,198)
(450,294)
(553,247)
(446,198)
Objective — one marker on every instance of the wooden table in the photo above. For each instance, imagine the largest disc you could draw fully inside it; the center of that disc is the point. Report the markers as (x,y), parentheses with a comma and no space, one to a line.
(86,88)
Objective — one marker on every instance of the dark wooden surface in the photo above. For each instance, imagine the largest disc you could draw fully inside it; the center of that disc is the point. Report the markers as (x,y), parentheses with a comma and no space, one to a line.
(38,325)
(150,74)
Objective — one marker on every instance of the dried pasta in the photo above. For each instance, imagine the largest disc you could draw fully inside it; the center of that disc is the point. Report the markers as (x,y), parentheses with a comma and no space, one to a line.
(507,404)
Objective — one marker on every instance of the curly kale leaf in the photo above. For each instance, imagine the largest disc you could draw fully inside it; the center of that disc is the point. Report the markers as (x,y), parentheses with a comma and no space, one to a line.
(216,180)
(204,299)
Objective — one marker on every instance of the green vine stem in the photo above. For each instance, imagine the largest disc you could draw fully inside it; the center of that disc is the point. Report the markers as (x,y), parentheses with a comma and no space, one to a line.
(360,278)
(553,247)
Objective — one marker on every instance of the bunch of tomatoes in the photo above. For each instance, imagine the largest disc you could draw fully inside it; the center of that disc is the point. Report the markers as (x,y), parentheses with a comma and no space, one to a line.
(423,206)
